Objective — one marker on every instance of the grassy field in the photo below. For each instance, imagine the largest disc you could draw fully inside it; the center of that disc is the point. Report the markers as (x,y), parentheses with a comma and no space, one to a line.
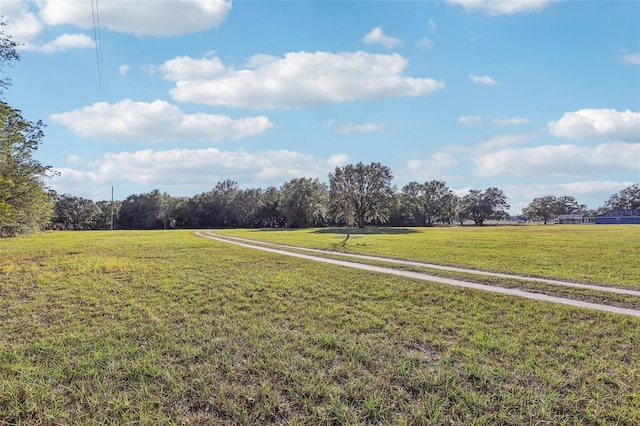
(599,254)
(166,328)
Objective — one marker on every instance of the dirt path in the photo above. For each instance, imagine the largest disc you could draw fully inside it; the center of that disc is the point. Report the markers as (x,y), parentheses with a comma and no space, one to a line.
(273,248)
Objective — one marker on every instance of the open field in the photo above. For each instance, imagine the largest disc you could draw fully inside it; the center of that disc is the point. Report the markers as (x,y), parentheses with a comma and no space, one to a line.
(599,254)
(608,298)
(166,328)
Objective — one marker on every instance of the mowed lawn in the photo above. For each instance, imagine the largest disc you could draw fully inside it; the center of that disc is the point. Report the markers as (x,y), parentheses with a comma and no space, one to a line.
(167,328)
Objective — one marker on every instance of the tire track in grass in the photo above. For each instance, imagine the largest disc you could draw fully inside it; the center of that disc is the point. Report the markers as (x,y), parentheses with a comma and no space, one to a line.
(273,248)
(617,290)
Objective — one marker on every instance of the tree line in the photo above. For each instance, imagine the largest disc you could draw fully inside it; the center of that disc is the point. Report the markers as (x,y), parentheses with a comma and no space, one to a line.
(356,196)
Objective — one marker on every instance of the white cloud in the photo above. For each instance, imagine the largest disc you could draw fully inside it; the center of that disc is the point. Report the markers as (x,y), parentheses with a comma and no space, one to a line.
(260,59)
(61,44)
(502,141)
(483,80)
(577,189)
(22,23)
(552,161)
(87,184)
(124,69)
(436,166)
(425,42)
(377,36)
(349,128)
(25,28)
(503,7)
(189,171)
(510,121)
(432,25)
(186,68)
(596,123)
(632,58)
(158,18)
(299,79)
(469,120)
(75,160)
(26,21)
(438,161)
(156,121)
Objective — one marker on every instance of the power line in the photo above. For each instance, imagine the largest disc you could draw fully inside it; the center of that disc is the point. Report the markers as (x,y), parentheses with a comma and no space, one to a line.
(95,14)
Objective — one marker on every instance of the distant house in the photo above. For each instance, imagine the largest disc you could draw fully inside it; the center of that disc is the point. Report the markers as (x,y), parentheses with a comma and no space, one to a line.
(573,218)
(619,217)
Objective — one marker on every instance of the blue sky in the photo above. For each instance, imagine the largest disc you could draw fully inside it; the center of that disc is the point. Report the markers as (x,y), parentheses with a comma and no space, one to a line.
(536,97)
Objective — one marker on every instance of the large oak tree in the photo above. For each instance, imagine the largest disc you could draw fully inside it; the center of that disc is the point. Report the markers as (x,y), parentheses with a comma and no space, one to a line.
(361,193)
(481,206)
(628,199)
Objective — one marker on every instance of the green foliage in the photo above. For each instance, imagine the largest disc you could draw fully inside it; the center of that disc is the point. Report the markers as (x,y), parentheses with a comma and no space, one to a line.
(75,212)
(269,211)
(542,208)
(25,206)
(361,193)
(429,202)
(165,328)
(304,202)
(226,205)
(102,220)
(549,207)
(628,198)
(568,204)
(8,53)
(481,206)
(153,210)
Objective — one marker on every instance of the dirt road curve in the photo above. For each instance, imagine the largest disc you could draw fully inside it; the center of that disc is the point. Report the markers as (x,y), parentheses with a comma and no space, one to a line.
(281,249)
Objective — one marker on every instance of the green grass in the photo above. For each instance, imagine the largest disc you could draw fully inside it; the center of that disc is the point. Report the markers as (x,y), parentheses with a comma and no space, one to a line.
(166,328)
(598,254)
(530,284)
